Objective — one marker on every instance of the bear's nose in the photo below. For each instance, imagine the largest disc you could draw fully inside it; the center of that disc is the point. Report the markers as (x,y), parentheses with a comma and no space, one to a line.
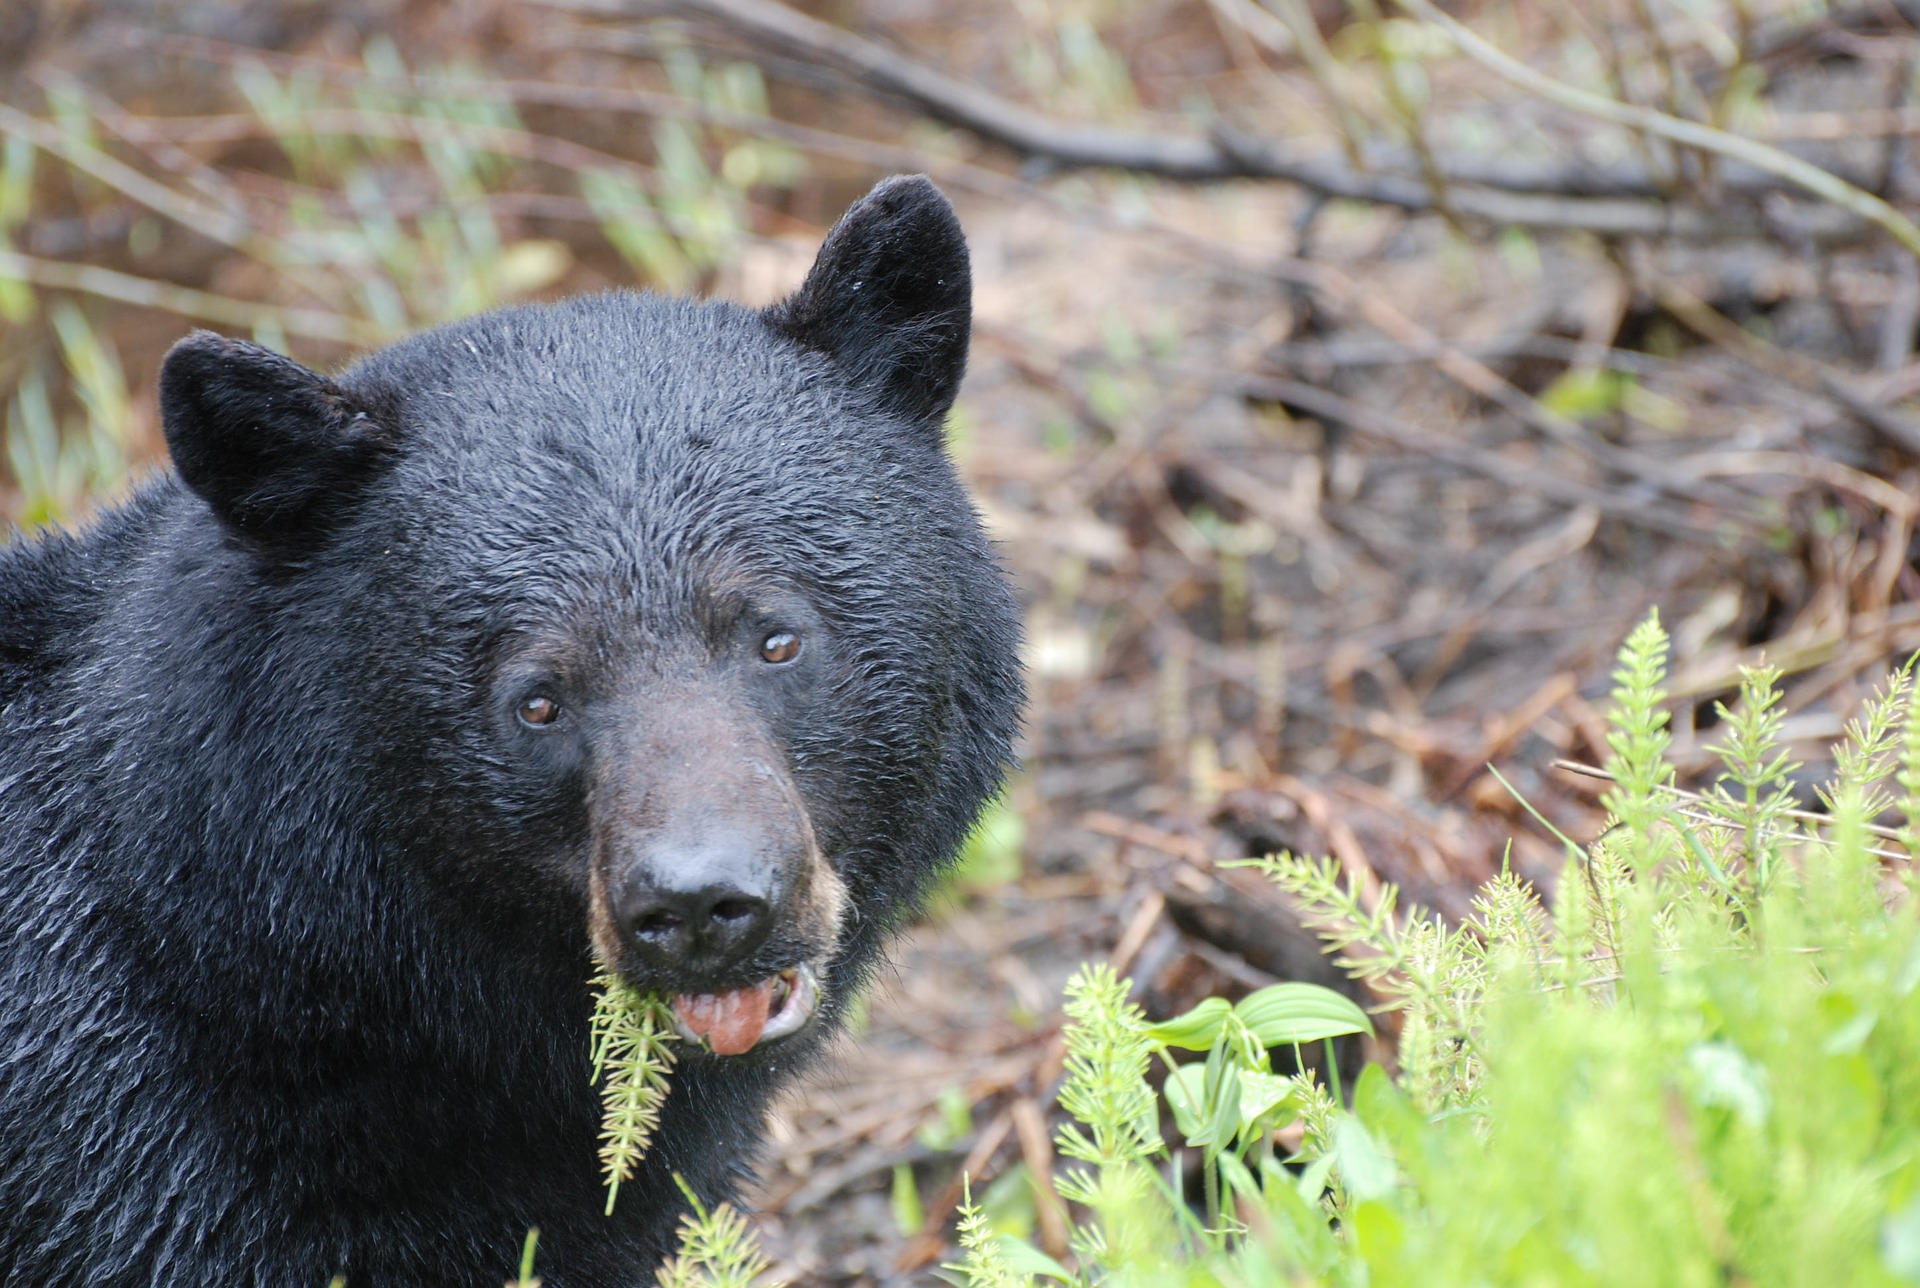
(704,921)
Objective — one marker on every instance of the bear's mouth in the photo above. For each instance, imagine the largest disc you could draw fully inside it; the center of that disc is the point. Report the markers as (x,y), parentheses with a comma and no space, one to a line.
(736,1021)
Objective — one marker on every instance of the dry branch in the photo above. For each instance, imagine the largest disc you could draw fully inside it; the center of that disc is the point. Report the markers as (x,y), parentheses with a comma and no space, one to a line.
(1618,201)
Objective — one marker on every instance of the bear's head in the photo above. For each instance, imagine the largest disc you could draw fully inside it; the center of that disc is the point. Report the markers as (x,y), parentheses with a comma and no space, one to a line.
(657,624)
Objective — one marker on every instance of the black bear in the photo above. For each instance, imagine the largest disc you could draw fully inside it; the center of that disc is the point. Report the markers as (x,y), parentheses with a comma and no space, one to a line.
(633,628)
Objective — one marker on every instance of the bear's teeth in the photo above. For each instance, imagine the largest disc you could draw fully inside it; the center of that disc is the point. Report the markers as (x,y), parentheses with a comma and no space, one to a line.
(803,995)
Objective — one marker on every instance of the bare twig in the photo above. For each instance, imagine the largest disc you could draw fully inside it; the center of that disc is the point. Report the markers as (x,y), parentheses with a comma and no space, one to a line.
(1036,1151)
(228,227)
(599,98)
(1262,27)
(223,226)
(1842,478)
(1326,72)
(1901,316)
(926,1245)
(1478,378)
(522,145)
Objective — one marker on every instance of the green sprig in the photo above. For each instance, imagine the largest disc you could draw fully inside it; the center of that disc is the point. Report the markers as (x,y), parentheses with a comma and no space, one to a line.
(1639,740)
(632,1058)
(717,1248)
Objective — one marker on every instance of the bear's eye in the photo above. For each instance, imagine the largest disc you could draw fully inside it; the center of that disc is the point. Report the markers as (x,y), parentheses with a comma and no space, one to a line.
(538,710)
(781,646)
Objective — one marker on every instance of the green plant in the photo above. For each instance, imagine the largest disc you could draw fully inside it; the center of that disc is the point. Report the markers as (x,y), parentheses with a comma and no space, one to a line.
(717,1249)
(526,1278)
(1696,1060)
(60,462)
(990,856)
(632,1060)
(688,216)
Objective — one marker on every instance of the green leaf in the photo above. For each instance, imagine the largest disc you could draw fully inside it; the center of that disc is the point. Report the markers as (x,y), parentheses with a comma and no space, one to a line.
(1023,1258)
(1224,1107)
(1726,1079)
(1260,1094)
(1379,1234)
(1366,1169)
(1196,1029)
(1586,391)
(909,1214)
(1313,1181)
(1186,1092)
(1283,1014)
(954,1124)
(1900,1243)
(1194,1113)
(990,856)
(1389,1115)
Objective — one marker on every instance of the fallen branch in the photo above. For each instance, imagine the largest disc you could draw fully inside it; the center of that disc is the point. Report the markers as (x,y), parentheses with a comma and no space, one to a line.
(1619,201)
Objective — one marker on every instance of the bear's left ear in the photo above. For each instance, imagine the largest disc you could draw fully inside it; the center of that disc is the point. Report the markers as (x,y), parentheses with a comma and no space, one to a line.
(267,443)
(890,298)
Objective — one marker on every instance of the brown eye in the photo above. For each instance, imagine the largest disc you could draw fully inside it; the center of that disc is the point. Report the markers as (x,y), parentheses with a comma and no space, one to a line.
(538,710)
(781,646)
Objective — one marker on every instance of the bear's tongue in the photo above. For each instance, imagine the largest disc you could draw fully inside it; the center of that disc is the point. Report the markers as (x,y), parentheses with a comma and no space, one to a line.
(731,1022)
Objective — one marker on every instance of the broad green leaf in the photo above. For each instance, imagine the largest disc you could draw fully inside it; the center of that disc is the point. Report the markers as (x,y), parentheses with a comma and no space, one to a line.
(1900,1243)
(1260,1093)
(1283,1014)
(1224,1106)
(1378,1233)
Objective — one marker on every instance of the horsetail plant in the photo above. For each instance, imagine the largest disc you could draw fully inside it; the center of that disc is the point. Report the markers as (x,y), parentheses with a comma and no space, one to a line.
(1692,1058)
(717,1248)
(632,1036)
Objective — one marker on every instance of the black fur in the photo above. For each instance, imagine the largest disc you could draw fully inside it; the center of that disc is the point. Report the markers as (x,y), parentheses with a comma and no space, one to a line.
(293,917)
(890,298)
(265,441)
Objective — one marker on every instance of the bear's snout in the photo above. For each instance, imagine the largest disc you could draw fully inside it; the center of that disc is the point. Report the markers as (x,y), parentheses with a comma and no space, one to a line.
(700,905)
(707,874)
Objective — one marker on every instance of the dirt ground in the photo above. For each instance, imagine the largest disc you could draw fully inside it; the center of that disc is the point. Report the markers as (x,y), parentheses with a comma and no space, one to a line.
(1319,550)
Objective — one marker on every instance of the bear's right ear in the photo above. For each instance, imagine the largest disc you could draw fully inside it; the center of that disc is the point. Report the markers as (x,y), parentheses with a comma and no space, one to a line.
(890,298)
(263,440)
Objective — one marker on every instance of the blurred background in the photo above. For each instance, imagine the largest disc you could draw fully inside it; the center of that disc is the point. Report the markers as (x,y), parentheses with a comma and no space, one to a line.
(1348,379)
